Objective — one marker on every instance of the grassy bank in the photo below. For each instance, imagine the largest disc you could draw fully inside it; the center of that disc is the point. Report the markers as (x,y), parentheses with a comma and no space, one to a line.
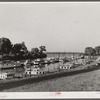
(16,83)
(81,82)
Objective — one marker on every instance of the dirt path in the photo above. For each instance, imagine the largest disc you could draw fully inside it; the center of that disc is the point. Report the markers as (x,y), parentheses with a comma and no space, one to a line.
(89,81)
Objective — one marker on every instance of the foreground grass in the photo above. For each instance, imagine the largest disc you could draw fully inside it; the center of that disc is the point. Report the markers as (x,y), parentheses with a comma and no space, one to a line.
(89,81)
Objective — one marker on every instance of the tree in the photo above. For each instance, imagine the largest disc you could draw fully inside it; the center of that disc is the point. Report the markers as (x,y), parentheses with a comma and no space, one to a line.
(38,53)
(5,46)
(97,50)
(89,51)
(24,48)
(19,48)
(42,49)
(16,50)
(41,53)
(35,52)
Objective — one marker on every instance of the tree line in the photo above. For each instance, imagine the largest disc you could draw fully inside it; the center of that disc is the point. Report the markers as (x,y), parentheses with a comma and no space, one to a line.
(90,51)
(19,51)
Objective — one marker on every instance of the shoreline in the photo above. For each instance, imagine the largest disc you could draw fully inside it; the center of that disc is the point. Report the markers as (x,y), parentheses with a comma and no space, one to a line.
(8,84)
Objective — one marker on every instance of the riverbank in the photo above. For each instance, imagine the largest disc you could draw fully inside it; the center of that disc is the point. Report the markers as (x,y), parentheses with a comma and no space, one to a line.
(81,82)
(21,82)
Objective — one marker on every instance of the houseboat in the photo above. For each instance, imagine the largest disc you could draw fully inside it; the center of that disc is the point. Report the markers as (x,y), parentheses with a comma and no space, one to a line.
(34,71)
(10,65)
(6,65)
(79,61)
(66,66)
(19,72)
(5,75)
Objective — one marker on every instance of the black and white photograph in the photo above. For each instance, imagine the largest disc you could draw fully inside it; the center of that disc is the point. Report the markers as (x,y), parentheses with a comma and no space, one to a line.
(49,47)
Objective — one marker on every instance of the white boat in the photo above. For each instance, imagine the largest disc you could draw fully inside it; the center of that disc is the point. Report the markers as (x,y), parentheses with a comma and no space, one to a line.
(38,61)
(35,62)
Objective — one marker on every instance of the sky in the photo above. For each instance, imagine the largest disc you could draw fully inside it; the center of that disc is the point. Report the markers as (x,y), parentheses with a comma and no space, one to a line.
(68,27)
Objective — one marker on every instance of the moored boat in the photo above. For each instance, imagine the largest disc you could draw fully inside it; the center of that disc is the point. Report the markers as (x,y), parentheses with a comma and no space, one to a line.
(66,66)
